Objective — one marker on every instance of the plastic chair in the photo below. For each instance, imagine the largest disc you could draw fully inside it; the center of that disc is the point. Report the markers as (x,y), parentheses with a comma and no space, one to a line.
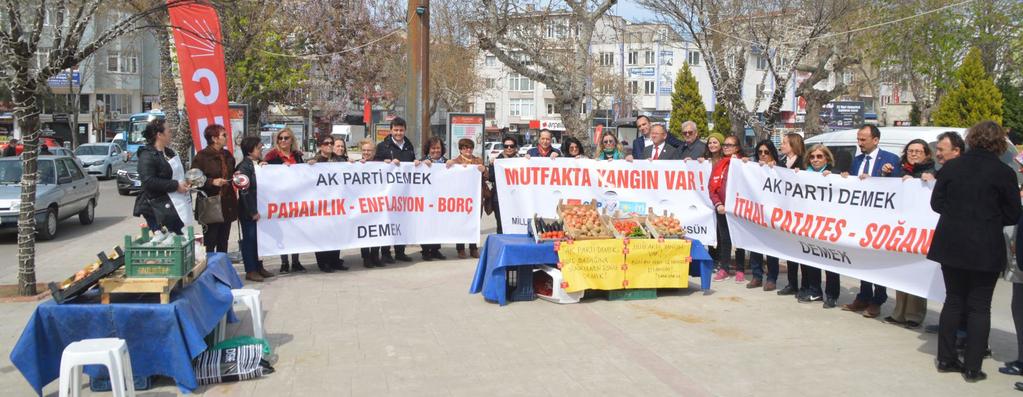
(109,352)
(249,298)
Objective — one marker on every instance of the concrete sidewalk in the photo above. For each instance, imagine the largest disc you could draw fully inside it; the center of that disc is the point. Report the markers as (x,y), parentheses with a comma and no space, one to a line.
(413,330)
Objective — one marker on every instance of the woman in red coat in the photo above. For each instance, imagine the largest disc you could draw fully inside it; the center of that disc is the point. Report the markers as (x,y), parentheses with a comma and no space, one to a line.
(731,148)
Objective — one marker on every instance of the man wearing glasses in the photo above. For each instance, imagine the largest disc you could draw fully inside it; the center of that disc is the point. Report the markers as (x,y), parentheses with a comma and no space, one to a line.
(643,141)
(692,147)
(511,150)
(395,149)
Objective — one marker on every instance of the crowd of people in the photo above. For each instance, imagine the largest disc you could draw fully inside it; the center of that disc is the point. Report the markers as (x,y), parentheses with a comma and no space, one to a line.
(974,194)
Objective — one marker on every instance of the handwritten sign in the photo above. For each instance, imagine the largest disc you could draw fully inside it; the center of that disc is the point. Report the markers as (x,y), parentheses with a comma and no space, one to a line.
(592,264)
(654,264)
(615,264)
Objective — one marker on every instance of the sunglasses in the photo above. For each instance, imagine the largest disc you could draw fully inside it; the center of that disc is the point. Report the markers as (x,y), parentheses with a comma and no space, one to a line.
(284,138)
(507,146)
(463,147)
(764,152)
(817,156)
(327,143)
(611,142)
(687,132)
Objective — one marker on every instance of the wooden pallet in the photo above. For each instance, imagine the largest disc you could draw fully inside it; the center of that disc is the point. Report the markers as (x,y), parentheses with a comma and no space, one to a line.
(119,284)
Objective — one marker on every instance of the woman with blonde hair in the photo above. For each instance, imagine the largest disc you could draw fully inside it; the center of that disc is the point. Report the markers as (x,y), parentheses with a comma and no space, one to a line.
(820,159)
(285,151)
(609,148)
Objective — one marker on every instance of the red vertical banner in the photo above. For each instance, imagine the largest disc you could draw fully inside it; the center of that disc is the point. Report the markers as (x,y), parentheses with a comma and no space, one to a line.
(201,62)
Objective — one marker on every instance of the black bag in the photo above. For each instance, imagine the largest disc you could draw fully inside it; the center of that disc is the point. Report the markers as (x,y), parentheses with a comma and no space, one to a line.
(231,365)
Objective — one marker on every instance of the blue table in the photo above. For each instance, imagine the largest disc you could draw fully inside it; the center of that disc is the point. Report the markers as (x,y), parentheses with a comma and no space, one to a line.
(162,339)
(507,250)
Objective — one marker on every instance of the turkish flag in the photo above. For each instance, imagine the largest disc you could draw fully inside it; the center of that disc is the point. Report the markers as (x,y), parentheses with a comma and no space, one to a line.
(201,61)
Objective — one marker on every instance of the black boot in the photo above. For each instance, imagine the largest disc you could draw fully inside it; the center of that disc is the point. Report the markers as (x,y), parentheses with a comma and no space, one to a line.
(285,267)
(297,266)
(324,267)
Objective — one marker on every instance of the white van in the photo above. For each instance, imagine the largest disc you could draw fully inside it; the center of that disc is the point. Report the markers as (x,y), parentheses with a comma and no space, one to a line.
(843,145)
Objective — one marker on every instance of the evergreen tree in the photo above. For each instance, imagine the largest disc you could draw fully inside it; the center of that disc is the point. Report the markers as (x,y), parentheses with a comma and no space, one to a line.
(686,103)
(973,99)
(1012,109)
(722,123)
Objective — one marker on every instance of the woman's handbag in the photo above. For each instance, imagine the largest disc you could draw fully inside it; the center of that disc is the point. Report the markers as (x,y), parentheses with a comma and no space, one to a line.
(207,208)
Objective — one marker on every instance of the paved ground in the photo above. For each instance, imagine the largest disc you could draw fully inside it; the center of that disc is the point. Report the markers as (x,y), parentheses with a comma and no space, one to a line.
(414,330)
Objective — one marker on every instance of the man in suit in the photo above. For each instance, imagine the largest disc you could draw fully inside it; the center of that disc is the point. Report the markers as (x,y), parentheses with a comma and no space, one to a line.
(659,148)
(872,161)
(643,140)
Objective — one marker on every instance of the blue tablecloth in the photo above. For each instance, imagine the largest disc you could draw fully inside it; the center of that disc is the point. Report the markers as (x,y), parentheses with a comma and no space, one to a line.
(506,250)
(162,339)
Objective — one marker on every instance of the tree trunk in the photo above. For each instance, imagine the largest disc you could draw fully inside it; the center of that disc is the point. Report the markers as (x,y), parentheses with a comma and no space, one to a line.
(26,111)
(812,121)
(169,95)
(574,124)
(253,116)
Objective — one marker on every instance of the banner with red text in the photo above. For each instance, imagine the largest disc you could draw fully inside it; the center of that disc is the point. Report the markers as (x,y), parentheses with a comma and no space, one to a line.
(331,206)
(876,229)
(534,186)
(201,62)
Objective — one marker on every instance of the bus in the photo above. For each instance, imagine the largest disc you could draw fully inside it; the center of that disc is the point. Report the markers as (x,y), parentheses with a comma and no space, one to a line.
(137,123)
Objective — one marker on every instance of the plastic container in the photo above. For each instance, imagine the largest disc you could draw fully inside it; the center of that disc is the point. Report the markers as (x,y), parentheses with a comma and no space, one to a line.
(547,284)
(520,284)
(172,258)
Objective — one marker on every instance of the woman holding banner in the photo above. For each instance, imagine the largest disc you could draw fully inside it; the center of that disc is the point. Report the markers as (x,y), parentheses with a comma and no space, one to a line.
(766,155)
(328,261)
(975,196)
(821,160)
(915,162)
(433,150)
(248,212)
(609,148)
(718,182)
(713,152)
(285,151)
(466,158)
(370,255)
(573,148)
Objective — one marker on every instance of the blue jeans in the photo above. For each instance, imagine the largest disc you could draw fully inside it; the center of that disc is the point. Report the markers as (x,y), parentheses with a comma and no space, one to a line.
(249,247)
(756,261)
(872,293)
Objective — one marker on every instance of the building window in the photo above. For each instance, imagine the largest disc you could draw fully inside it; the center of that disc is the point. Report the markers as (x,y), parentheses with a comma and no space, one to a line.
(517,82)
(847,78)
(633,57)
(118,62)
(607,59)
(490,83)
(113,61)
(83,104)
(490,60)
(648,87)
(634,87)
(550,108)
(649,57)
(119,104)
(694,58)
(522,108)
(761,62)
(490,108)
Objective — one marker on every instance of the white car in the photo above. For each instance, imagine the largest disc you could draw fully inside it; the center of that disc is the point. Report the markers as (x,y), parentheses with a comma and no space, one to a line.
(492,149)
(101,159)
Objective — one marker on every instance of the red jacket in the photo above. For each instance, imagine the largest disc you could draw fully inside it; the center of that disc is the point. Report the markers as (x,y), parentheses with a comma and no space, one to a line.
(718,181)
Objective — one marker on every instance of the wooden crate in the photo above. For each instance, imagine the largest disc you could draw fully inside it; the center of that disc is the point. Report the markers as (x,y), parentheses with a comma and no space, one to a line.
(571,233)
(653,231)
(617,216)
(161,286)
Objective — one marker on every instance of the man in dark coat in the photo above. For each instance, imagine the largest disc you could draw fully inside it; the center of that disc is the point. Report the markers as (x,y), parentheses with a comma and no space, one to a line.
(395,148)
(659,148)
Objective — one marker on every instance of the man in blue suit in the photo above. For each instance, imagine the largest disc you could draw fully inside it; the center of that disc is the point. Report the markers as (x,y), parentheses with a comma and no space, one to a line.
(643,140)
(872,161)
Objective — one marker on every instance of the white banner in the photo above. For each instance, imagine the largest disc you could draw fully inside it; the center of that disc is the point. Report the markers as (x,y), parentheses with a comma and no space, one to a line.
(877,230)
(534,186)
(332,206)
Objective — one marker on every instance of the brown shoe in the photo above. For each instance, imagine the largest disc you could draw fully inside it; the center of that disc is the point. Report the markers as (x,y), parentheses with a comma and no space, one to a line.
(855,306)
(872,311)
(263,272)
(462,255)
(770,286)
(474,252)
(254,276)
(755,283)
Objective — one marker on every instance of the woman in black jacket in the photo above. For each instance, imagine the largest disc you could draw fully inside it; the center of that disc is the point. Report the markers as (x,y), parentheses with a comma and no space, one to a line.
(975,196)
(155,173)
(248,212)
(765,153)
(328,261)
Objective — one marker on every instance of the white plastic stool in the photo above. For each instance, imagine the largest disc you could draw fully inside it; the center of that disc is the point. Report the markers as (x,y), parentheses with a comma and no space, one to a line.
(249,298)
(110,352)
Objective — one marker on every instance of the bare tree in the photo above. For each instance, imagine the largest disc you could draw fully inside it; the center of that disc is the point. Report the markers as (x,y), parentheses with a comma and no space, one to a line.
(454,80)
(830,62)
(21,33)
(549,45)
(778,34)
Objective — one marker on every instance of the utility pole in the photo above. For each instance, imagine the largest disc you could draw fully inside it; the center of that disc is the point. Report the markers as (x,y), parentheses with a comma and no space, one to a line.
(417,106)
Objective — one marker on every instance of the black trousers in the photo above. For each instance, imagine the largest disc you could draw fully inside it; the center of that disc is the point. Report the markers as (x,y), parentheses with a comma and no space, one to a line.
(370,252)
(1017,316)
(968,292)
(328,258)
(792,273)
(216,236)
(461,247)
(398,250)
(497,214)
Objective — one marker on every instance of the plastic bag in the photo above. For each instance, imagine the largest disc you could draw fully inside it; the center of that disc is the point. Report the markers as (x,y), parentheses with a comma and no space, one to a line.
(244,340)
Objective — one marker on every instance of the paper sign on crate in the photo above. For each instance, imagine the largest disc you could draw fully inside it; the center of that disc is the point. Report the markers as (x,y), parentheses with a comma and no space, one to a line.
(613,265)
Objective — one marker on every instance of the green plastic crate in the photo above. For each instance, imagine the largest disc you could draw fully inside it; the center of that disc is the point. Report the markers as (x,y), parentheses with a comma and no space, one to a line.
(173,260)
(632,294)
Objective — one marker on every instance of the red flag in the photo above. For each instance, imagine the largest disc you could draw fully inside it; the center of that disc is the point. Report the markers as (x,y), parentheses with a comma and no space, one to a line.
(367,111)
(201,61)
(596,135)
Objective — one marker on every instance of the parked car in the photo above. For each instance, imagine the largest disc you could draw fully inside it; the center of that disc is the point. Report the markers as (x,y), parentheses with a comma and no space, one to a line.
(100,158)
(63,151)
(128,177)
(491,150)
(64,190)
